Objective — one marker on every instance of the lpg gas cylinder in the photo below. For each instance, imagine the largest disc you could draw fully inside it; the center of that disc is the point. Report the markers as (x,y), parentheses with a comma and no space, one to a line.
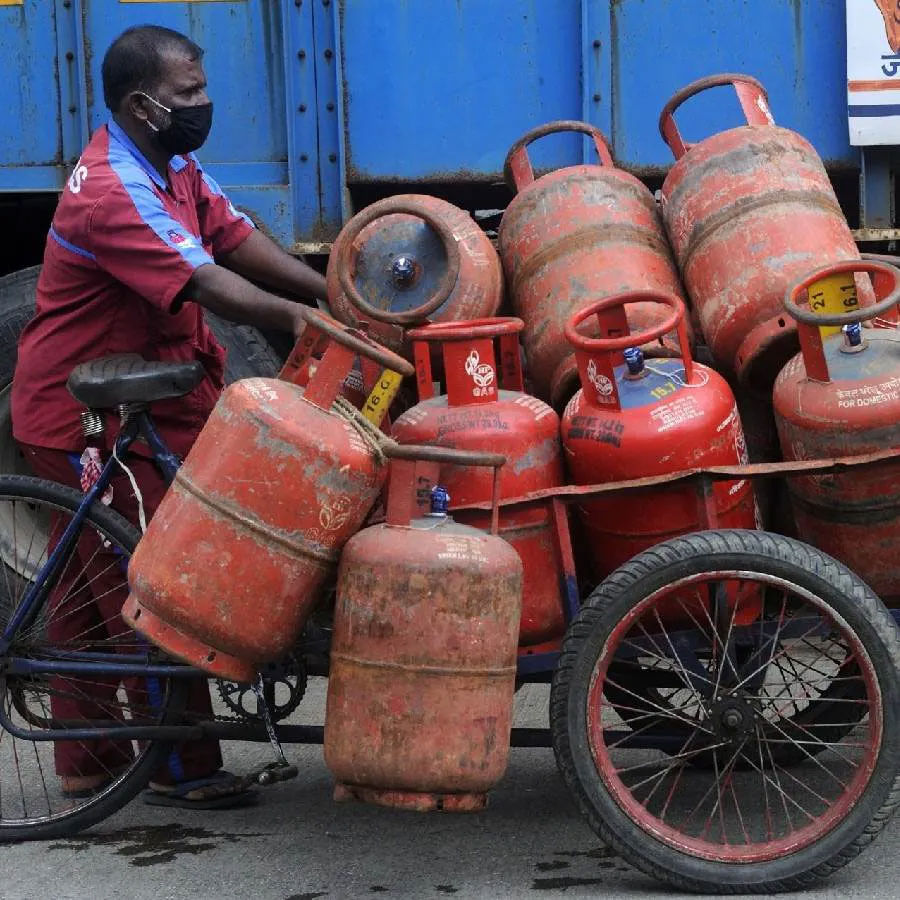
(278,479)
(748,211)
(571,237)
(423,656)
(634,419)
(409,259)
(840,396)
(484,409)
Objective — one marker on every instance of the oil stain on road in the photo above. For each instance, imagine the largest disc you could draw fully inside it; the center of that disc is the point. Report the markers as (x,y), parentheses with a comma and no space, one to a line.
(152,845)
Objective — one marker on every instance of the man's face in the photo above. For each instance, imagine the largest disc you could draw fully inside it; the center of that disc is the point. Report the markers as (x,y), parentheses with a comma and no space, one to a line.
(183,82)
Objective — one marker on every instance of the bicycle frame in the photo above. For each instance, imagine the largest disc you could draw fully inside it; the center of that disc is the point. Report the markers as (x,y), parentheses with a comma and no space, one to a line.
(137,424)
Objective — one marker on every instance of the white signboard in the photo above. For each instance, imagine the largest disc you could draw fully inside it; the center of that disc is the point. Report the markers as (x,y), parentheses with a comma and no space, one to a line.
(873,71)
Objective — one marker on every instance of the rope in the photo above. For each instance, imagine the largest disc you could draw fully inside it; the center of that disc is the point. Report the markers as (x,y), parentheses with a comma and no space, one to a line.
(674,376)
(373,436)
(142,518)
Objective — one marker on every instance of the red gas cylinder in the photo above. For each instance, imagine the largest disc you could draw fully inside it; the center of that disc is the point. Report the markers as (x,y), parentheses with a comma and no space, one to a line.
(840,396)
(409,259)
(423,656)
(633,419)
(278,479)
(367,386)
(748,211)
(571,237)
(478,413)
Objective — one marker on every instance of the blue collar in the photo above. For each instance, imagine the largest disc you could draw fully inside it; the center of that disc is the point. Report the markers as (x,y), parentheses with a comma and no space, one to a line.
(176,163)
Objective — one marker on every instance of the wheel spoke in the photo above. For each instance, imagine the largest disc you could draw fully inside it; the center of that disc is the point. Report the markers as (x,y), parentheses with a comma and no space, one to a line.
(810,756)
(699,803)
(769,661)
(765,788)
(666,660)
(678,756)
(686,678)
(680,765)
(78,613)
(662,709)
(814,739)
(719,601)
(784,794)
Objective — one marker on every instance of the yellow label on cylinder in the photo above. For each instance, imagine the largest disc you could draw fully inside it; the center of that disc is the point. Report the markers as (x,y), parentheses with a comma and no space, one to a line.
(831,296)
(382,396)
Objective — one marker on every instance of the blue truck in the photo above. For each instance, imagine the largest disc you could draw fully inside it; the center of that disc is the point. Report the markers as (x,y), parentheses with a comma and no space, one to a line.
(323,106)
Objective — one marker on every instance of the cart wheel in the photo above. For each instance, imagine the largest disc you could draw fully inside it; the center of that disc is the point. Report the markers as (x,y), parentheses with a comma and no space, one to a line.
(785,794)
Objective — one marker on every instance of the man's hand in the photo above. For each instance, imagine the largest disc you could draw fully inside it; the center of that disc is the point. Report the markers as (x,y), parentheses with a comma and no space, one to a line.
(264,261)
(234,298)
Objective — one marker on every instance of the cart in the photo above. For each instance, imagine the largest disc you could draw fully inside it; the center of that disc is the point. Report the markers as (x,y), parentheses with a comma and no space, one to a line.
(724,706)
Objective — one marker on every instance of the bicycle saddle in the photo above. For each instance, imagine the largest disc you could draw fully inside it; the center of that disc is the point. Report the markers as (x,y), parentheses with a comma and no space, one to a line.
(129,378)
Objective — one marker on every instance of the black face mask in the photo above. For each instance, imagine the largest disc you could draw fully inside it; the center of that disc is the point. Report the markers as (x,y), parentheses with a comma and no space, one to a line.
(188,127)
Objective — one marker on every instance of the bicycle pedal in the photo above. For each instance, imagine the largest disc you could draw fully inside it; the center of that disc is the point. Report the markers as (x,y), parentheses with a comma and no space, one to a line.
(275,772)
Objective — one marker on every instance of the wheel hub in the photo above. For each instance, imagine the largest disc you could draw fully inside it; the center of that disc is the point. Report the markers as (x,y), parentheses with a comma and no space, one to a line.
(733,718)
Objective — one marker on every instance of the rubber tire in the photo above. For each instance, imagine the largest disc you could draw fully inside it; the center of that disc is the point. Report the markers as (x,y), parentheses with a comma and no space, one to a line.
(249,353)
(156,752)
(654,569)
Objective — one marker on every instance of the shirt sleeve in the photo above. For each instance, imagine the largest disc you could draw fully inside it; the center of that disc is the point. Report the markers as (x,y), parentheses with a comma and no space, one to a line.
(221,225)
(135,240)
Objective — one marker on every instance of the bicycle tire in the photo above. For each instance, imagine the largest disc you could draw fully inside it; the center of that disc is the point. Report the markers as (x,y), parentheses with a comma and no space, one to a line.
(29,698)
(651,833)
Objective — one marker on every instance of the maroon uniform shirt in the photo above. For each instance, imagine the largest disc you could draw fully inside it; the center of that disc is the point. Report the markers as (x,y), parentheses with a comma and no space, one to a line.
(122,246)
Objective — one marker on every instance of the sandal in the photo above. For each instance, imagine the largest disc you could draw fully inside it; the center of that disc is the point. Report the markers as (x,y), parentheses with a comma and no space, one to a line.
(221,790)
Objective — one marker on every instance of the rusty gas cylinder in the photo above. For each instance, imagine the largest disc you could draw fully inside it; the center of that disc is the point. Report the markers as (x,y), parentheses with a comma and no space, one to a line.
(633,419)
(250,530)
(840,396)
(409,259)
(572,237)
(484,408)
(749,211)
(423,656)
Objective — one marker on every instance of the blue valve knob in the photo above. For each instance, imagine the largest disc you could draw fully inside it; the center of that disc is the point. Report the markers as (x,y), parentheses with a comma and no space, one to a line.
(403,271)
(634,359)
(440,500)
(852,334)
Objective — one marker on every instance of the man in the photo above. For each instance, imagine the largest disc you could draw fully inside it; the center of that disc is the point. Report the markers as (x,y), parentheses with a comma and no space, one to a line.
(142,240)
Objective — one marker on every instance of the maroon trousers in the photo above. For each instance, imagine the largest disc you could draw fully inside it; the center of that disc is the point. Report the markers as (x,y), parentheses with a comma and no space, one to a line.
(86,608)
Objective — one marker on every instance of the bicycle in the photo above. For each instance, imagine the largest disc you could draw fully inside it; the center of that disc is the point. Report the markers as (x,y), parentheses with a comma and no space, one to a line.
(115,700)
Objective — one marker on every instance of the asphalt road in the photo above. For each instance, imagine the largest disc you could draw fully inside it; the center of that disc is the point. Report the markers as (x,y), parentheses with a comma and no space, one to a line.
(297,844)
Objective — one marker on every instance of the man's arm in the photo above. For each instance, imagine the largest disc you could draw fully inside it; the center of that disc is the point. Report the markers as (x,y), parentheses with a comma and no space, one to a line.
(236,299)
(263,260)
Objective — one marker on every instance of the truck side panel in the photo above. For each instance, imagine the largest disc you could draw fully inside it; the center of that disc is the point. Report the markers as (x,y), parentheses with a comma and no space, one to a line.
(318,99)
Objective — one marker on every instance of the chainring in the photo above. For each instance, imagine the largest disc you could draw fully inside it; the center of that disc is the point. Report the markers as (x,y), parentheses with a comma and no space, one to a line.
(288,677)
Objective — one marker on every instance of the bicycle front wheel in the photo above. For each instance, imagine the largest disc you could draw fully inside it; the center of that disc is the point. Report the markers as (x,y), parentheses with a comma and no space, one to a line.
(50,788)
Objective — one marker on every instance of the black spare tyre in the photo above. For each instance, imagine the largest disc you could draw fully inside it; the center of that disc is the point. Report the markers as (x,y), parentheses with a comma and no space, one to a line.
(248,354)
